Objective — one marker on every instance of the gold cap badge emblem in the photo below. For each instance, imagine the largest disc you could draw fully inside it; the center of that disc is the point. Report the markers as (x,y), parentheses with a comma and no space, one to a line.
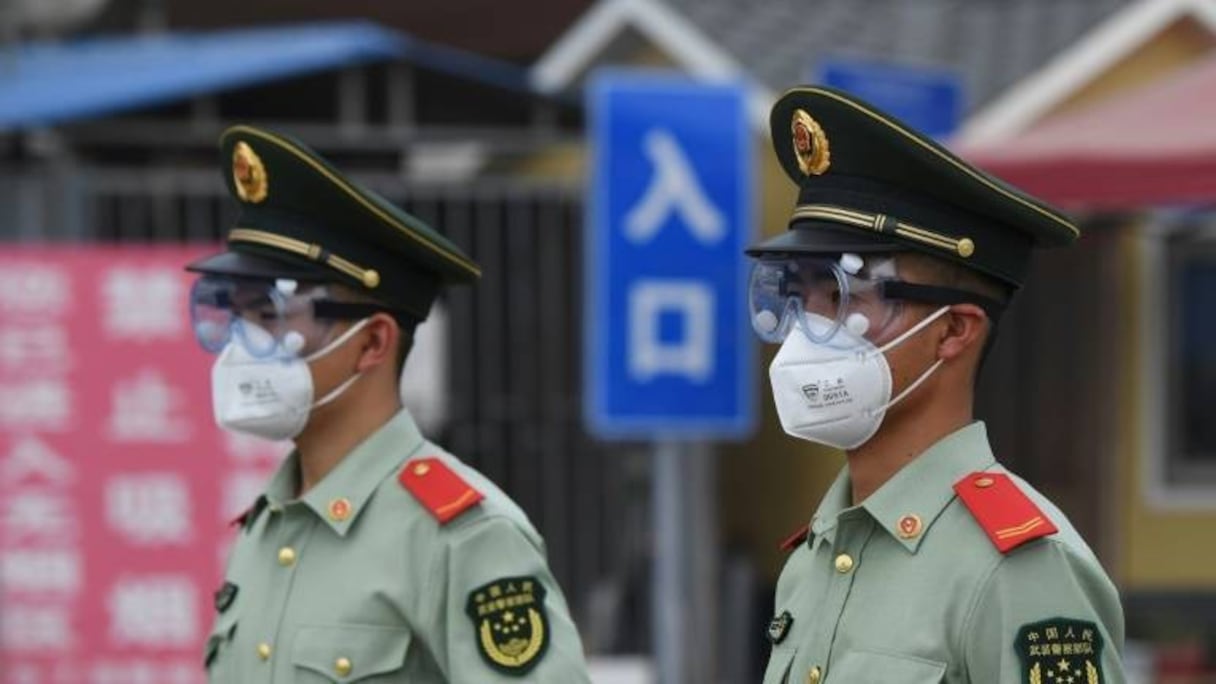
(249,174)
(810,144)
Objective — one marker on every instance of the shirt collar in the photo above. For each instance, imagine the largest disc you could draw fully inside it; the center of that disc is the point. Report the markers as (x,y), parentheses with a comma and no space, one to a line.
(835,502)
(341,495)
(907,505)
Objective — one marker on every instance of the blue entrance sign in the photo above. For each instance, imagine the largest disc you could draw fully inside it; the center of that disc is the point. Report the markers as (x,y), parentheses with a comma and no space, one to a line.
(929,99)
(669,349)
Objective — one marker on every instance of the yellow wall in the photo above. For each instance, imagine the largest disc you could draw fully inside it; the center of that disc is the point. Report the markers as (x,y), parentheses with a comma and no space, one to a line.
(1155,549)
(1160,550)
(1180,44)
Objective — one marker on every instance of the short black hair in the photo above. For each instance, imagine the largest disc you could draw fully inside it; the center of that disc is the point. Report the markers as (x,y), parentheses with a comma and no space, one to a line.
(406,323)
(944,273)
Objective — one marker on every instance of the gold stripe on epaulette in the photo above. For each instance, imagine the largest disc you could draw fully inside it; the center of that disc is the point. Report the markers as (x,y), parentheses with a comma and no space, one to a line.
(368,276)
(1017,530)
(886,225)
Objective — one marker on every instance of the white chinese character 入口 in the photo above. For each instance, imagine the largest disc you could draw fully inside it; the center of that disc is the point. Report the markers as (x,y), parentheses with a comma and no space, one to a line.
(37,347)
(40,571)
(38,514)
(31,459)
(38,628)
(156,611)
(143,303)
(692,304)
(146,408)
(674,188)
(36,289)
(149,508)
(43,404)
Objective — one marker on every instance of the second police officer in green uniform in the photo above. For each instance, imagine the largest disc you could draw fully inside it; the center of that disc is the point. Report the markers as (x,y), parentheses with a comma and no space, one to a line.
(926,560)
(373,555)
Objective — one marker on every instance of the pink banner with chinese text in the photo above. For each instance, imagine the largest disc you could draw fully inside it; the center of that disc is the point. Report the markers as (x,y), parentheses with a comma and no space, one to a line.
(115,485)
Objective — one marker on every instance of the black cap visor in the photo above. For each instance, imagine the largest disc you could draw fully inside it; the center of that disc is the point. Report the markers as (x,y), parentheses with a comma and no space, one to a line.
(821,237)
(250,265)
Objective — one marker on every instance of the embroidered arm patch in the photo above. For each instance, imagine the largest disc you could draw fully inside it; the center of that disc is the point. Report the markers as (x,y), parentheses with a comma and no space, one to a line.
(1060,651)
(511,627)
(224,596)
(779,627)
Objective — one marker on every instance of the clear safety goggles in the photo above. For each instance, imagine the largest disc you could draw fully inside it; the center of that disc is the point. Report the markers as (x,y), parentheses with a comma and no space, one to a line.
(820,296)
(268,317)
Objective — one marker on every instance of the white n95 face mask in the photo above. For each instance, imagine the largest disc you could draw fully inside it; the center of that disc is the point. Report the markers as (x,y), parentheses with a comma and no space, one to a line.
(837,394)
(272,397)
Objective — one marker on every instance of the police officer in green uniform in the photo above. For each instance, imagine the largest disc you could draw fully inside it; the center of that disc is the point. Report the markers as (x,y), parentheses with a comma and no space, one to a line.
(373,555)
(926,561)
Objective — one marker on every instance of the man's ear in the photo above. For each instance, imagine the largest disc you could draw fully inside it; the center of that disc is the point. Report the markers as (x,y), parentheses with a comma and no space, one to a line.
(380,345)
(965,331)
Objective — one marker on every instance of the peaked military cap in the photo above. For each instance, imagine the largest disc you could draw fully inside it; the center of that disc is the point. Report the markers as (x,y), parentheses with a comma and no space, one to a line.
(302,219)
(868,183)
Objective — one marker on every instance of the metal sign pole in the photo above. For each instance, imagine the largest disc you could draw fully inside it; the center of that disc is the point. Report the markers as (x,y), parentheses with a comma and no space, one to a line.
(668,602)
(685,570)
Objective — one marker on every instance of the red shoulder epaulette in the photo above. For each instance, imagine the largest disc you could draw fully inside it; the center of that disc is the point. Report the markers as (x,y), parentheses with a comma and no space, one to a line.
(796,538)
(1007,515)
(440,491)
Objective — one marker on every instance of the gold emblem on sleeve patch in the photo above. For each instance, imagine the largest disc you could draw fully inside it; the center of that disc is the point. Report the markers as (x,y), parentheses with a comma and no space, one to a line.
(1060,651)
(512,628)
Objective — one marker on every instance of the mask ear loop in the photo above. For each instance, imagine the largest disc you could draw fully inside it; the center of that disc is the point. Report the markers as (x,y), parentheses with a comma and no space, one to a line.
(338,342)
(336,392)
(341,339)
(923,376)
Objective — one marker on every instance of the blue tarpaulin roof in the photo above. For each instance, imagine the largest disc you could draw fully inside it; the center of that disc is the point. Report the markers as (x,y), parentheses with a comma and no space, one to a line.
(49,83)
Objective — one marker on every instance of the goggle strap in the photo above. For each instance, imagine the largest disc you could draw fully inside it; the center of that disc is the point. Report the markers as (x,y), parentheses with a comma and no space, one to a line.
(942,296)
(351,311)
(924,323)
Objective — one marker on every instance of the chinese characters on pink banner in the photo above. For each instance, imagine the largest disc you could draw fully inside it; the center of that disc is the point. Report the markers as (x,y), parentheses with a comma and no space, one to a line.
(116,487)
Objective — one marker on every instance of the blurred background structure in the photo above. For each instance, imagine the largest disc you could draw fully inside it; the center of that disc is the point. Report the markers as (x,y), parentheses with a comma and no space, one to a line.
(470,114)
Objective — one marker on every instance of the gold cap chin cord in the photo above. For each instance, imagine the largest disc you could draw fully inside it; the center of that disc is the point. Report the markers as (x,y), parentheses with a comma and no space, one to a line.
(368,276)
(886,225)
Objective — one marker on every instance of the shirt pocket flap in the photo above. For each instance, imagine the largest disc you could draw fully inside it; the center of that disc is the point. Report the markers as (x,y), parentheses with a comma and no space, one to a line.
(875,667)
(348,653)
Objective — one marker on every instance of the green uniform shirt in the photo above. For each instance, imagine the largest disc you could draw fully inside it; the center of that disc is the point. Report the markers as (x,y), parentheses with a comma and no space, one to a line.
(859,602)
(357,582)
